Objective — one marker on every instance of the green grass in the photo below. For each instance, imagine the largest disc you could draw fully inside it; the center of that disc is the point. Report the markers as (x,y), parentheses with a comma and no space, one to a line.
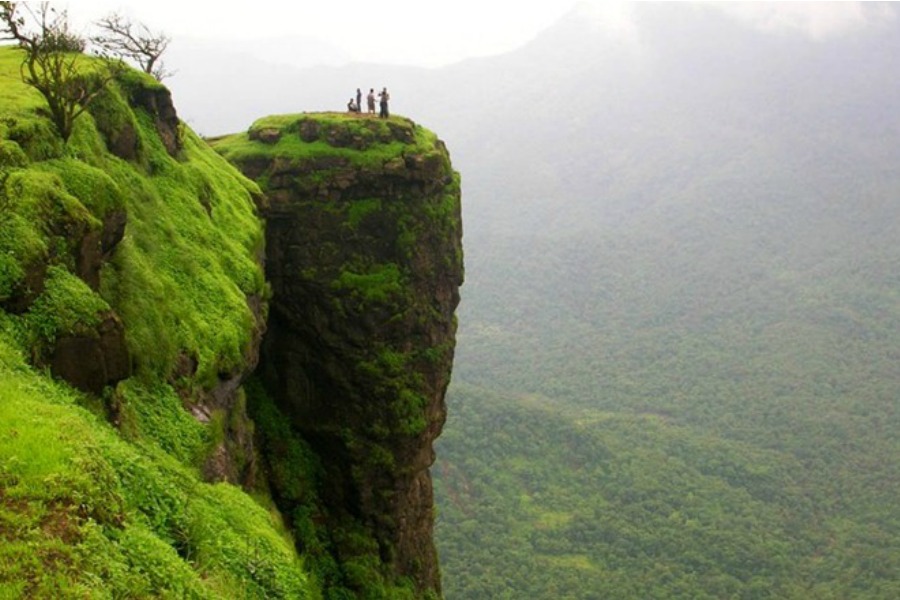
(374,142)
(67,306)
(182,274)
(88,510)
(85,514)
(189,263)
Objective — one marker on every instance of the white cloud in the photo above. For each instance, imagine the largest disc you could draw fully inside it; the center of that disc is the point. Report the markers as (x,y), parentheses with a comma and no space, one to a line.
(617,19)
(416,32)
(387,31)
(817,20)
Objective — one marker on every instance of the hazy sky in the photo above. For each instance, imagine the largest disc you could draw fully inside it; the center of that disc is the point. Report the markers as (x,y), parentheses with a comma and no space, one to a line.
(412,32)
(420,32)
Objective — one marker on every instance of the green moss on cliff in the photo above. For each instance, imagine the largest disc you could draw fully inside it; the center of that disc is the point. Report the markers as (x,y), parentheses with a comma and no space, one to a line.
(365,258)
(374,283)
(102,496)
(332,141)
(67,306)
(297,476)
(180,280)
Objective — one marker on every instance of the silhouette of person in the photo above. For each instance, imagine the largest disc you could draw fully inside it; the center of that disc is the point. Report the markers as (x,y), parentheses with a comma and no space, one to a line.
(370,100)
(352,106)
(383,97)
(358,100)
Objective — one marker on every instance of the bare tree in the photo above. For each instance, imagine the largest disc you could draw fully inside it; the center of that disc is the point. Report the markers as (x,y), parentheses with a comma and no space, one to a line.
(51,63)
(133,41)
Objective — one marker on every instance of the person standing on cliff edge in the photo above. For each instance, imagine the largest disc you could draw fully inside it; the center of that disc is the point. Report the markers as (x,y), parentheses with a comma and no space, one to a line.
(358,100)
(370,100)
(383,97)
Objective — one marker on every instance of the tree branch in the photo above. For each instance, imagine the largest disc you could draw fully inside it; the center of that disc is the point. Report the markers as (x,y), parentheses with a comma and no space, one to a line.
(120,37)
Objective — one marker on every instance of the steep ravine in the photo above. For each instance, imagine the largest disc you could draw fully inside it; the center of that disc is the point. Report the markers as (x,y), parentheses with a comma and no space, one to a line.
(364,256)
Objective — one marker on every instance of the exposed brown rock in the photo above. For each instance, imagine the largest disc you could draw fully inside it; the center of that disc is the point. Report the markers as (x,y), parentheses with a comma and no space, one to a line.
(96,247)
(123,141)
(267,135)
(95,360)
(234,459)
(157,101)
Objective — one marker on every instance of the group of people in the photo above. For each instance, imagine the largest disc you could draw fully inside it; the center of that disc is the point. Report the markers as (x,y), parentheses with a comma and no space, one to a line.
(355,104)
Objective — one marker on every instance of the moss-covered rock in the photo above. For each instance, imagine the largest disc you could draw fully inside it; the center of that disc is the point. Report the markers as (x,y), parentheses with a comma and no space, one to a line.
(364,257)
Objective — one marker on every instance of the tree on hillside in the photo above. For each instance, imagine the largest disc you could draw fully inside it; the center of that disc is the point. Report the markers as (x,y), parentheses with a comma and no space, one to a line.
(124,39)
(52,60)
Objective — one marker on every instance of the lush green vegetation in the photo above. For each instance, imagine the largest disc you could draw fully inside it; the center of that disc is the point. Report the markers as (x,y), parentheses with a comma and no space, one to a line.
(677,365)
(686,421)
(296,476)
(546,502)
(358,141)
(103,496)
(181,276)
(89,510)
(84,513)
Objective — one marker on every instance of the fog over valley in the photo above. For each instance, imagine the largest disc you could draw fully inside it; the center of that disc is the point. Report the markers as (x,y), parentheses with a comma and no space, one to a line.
(677,373)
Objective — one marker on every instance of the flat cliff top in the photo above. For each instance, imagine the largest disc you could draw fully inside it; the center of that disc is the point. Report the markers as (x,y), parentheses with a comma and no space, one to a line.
(359,141)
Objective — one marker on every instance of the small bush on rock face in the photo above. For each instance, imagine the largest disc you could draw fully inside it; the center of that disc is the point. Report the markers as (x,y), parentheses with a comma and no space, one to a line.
(67,306)
(11,156)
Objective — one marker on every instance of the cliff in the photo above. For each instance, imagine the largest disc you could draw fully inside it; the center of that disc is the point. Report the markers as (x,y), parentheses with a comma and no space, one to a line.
(140,454)
(364,255)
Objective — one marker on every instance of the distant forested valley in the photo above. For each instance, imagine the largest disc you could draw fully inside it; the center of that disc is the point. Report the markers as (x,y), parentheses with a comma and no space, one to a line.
(709,448)
(678,370)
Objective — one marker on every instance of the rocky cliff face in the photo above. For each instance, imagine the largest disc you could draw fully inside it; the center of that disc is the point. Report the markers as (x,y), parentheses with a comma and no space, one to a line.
(364,257)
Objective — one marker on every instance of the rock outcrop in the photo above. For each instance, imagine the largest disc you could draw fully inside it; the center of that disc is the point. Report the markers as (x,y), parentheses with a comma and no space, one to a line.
(364,257)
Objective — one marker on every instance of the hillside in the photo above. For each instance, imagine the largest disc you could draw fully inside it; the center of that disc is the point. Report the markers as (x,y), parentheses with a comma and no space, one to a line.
(128,275)
(143,452)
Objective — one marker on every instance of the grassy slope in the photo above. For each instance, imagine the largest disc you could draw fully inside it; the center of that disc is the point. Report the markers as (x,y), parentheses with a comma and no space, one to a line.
(87,510)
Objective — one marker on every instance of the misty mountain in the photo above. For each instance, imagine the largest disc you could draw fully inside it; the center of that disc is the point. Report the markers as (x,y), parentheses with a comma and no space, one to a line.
(588,110)
(707,161)
(683,245)
(613,127)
